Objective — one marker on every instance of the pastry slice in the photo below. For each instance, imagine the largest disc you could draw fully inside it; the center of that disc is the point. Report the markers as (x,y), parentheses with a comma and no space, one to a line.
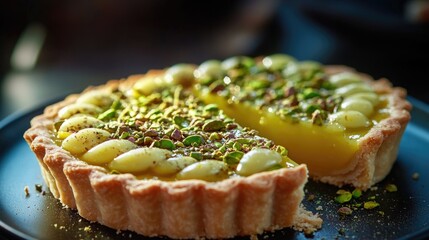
(147,155)
(344,125)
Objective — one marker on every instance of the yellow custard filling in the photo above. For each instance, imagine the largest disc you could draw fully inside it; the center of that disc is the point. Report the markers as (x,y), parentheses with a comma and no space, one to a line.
(318,117)
(325,149)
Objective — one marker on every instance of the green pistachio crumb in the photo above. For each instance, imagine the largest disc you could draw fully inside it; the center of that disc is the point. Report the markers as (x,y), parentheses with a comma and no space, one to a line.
(211,108)
(357,205)
(213,125)
(222,149)
(236,146)
(233,157)
(370,205)
(215,136)
(268,144)
(193,140)
(107,115)
(218,144)
(357,193)
(116,105)
(343,197)
(166,144)
(197,155)
(282,150)
(180,121)
(391,188)
(310,93)
(124,135)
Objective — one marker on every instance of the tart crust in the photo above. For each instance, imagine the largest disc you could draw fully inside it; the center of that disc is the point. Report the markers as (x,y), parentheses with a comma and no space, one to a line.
(378,149)
(182,209)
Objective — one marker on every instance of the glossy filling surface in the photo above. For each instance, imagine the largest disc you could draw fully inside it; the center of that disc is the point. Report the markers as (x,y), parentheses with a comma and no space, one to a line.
(319,117)
(325,149)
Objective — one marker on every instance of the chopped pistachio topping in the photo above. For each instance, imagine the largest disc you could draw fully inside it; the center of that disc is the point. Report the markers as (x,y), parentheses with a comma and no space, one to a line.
(300,91)
(173,121)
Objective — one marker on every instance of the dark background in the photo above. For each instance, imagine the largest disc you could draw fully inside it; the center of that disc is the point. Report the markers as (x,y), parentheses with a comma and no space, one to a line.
(52,48)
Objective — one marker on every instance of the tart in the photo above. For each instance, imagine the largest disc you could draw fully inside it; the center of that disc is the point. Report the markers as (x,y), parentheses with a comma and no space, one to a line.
(205,151)
(164,163)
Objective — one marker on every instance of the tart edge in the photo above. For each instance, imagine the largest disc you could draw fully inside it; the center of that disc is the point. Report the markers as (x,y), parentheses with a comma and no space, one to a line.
(378,149)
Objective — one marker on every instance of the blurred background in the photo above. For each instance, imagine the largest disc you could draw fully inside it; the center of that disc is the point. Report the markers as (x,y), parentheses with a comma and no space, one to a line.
(49,49)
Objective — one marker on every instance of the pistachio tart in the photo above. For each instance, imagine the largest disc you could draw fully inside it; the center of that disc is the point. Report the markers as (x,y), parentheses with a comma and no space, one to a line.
(220,149)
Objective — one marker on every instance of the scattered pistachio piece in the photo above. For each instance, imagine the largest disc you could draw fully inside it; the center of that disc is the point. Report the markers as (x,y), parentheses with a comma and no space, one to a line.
(391,188)
(345,211)
(357,193)
(370,205)
(343,197)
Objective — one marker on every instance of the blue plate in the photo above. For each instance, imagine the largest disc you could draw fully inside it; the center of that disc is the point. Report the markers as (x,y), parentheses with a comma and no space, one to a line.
(403,214)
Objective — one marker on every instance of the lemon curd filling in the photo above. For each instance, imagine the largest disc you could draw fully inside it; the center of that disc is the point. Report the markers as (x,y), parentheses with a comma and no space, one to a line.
(318,117)
(307,143)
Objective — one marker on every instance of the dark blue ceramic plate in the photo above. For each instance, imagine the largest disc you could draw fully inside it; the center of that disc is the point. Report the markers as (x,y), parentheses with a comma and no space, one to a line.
(401,215)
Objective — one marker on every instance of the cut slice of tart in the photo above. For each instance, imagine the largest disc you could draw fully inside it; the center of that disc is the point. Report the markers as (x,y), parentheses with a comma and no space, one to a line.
(344,125)
(147,155)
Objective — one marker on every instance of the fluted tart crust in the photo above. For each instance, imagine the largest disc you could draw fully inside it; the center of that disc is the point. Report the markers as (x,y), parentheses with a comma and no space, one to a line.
(235,206)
